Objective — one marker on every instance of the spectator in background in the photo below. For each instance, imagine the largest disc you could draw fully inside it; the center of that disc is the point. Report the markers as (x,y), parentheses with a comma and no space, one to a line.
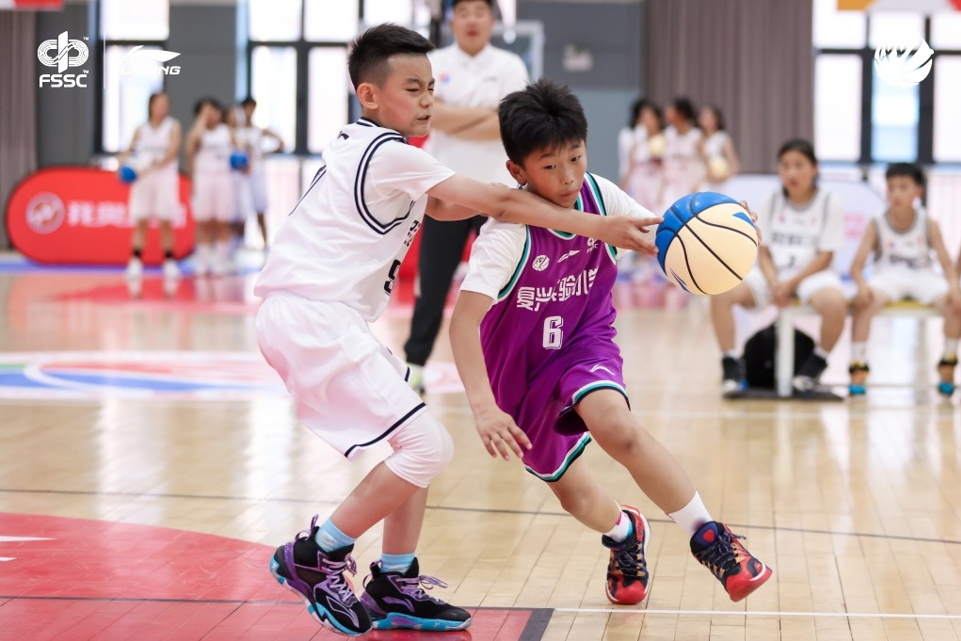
(683,165)
(209,145)
(258,141)
(716,149)
(640,146)
(156,191)
(471,77)
(240,182)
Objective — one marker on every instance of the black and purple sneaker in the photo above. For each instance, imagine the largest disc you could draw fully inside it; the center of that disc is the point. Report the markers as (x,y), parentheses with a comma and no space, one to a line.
(398,600)
(318,578)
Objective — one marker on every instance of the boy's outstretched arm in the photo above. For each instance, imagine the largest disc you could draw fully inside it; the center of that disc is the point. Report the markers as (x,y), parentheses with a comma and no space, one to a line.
(519,206)
(497,429)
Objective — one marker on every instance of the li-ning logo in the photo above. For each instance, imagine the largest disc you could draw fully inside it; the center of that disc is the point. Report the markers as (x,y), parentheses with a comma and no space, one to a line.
(905,67)
(45,213)
(148,62)
(63,53)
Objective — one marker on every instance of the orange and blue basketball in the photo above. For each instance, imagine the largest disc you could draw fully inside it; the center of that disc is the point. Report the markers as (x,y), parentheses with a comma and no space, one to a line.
(707,243)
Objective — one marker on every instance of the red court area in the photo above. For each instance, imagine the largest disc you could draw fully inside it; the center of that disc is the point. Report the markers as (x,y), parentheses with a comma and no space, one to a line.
(77,580)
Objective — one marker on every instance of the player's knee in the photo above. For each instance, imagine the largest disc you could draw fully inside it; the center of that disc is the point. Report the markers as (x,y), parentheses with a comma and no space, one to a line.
(622,438)
(577,501)
(421,450)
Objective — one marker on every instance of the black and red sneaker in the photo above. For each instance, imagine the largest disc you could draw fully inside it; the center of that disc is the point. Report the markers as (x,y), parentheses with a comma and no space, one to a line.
(627,570)
(719,550)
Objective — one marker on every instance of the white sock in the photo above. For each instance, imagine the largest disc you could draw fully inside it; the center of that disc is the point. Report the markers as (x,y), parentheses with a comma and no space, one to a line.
(859,352)
(732,354)
(950,347)
(622,529)
(692,516)
(820,352)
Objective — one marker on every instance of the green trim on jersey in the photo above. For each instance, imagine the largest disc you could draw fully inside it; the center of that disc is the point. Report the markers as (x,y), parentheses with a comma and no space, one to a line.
(573,454)
(503,293)
(596,190)
(593,387)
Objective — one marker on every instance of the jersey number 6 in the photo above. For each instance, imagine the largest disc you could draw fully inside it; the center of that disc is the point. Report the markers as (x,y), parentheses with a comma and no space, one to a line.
(553,334)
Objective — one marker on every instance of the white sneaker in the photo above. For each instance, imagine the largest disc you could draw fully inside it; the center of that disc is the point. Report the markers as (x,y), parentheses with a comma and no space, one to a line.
(134,269)
(170,270)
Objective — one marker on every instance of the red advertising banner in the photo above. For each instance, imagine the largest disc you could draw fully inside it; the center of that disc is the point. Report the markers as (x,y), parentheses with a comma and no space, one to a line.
(79,216)
(31,5)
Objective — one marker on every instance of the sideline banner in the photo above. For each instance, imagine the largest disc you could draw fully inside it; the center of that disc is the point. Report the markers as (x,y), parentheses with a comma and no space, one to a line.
(78,216)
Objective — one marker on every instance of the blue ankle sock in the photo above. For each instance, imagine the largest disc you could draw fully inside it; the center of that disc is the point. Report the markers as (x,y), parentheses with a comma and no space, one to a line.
(330,538)
(396,562)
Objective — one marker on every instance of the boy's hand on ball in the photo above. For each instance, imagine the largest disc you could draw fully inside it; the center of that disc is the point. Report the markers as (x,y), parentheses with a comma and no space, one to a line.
(629,233)
(753,215)
(499,433)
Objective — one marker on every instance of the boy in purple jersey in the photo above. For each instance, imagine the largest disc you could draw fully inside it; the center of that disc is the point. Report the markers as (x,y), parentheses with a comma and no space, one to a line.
(533,339)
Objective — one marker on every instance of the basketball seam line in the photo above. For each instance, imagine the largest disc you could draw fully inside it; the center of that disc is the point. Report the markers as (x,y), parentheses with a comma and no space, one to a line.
(688,265)
(736,231)
(713,253)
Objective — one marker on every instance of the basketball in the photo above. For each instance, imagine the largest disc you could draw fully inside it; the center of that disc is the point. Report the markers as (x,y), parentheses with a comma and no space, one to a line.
(718,168)
(707,243)
(239,161)
(127,174)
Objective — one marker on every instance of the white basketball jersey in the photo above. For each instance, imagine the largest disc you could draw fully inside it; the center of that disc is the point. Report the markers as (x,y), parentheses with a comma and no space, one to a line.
(252,138)
(910,248)
(213,156)
(682,161)
(794,235)
(346,238)
(714,144)
(153,143)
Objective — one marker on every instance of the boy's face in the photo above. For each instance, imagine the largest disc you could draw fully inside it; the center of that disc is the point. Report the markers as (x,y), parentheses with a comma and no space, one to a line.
(902,191)
(405,99)
(553,174)
(472,24)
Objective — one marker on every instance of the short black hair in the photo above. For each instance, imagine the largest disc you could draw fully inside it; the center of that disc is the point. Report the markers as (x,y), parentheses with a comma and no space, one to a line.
(453,4)
(370,51)
(544,115)
(207,101)
(684,107)
(801,146)
(908,169)
(638,106)
(249,100)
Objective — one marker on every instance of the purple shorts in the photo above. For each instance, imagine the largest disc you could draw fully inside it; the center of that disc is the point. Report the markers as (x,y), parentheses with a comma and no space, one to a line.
(547,416)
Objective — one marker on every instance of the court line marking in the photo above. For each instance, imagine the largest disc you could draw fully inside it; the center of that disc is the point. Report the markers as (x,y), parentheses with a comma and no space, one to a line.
(761,613)
(478,510)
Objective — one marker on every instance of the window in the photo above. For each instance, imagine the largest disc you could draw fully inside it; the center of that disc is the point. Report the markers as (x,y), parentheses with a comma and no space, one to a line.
(947,106)
(397,11)
(837,106)
(328,97)
(140,20)
(896,29)
(894,122)
(837,29)
(275,19)
(946,30)
(273,72)
(330,21)
(130,73)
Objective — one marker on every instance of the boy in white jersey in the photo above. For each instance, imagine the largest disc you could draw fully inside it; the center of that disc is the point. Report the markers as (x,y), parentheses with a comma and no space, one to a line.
(156,192)
(902,240)
(209,145)
(330,272)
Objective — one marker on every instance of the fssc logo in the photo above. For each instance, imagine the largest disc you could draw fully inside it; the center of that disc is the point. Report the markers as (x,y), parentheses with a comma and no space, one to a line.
(148,62)
(905,69)
(63,53)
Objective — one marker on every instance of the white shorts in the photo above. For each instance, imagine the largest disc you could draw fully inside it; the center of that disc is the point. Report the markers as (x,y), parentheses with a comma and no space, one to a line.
(243,207)
(214,197)
(922,285)
(157,194)
(350,390)
(805,290)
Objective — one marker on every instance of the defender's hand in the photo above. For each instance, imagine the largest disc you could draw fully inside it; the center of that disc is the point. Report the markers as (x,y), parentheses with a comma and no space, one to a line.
(499,433)
(629,233)
(753,215)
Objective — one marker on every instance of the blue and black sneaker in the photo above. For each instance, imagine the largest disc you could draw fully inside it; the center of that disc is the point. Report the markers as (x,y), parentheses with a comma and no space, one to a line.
(318,578)
(398,600)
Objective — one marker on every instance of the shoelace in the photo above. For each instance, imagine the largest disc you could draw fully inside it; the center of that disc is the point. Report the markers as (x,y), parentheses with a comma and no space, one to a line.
(720,557)
(335,579)
(627,560)
(416,586)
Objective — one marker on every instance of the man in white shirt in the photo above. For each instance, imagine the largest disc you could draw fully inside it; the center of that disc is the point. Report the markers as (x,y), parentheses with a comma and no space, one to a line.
(471,76)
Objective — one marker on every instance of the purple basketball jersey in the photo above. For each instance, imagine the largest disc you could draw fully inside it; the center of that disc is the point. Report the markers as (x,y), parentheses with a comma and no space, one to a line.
(549,338)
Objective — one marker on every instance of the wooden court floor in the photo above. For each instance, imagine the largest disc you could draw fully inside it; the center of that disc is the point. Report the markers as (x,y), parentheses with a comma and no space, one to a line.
(149,463)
